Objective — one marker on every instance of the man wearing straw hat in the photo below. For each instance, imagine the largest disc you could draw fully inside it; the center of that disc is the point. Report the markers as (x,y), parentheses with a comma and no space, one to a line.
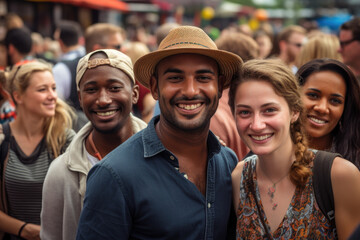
(172,180)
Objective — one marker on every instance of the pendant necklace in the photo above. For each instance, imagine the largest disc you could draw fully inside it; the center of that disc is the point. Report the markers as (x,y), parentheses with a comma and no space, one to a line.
(272,190)
(91,141)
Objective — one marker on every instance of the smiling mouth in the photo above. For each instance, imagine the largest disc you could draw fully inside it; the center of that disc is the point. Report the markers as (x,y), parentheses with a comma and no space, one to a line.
(106,113)
(189,106)
(262,137)
(316,120)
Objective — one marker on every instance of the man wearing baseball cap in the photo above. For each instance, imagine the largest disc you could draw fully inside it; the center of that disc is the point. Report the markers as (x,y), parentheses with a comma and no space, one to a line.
(107,91)
(173,179)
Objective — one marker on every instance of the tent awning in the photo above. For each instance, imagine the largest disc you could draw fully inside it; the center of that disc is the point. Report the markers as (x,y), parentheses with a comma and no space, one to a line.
(96,4)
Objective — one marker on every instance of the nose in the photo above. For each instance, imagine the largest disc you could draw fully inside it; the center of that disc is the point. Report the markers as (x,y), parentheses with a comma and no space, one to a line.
(190,87)
(52,93)
(257,123)
(321,106)
(103,98)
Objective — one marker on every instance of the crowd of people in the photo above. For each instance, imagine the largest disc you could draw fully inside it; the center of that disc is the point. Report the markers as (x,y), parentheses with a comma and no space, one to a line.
(252,135)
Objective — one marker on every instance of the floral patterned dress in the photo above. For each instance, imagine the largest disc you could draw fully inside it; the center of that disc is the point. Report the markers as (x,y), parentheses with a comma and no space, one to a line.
(303,219)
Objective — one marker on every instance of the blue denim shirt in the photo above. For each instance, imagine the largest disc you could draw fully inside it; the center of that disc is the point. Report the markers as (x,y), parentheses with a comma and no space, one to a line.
(136,192)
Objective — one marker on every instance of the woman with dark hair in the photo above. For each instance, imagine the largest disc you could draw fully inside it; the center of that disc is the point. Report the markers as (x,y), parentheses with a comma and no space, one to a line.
(40,133)
(331,96)
(274,189)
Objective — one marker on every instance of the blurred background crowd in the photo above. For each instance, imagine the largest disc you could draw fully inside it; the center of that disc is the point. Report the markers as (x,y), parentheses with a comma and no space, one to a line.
(56,31)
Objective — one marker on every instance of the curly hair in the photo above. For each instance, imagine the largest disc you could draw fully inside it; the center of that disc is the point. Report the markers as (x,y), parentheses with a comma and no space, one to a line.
(55,127)
(346,140)
(285,85)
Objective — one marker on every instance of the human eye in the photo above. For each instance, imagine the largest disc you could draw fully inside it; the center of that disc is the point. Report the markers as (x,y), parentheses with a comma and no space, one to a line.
(243,113)
(204,78)
(312,95)
(174,78)
(115,88)
(89,89)
(336,101)
(270,110)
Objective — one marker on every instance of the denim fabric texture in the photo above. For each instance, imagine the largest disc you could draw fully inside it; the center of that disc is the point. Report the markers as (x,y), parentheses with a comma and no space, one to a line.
(136,192)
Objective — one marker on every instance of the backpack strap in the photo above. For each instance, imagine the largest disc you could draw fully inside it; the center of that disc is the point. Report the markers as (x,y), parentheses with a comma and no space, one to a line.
(4,146)
(73,99)
(322,184)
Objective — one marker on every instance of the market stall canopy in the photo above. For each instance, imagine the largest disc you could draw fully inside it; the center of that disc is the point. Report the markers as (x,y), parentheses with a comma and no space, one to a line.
(96,4)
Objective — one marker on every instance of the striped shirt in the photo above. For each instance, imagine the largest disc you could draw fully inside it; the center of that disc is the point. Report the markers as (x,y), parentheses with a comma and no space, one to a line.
(24,178)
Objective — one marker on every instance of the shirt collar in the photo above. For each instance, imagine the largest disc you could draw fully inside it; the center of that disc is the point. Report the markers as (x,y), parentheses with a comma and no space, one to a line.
(153,145)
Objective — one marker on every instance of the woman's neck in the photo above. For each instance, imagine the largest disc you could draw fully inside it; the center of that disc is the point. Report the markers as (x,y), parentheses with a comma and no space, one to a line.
(321,143)
(277,163)
(28,125)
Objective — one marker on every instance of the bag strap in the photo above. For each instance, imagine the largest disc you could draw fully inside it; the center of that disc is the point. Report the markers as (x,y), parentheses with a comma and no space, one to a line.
(322,185)
(4,146)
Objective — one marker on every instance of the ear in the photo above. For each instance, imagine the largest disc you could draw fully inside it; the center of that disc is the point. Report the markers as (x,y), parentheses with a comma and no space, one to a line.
(17,97)
(96,46)
(154,88)
(282,44)
(135,94)
(221,82)
(79,96)
(11,49)
(295,116)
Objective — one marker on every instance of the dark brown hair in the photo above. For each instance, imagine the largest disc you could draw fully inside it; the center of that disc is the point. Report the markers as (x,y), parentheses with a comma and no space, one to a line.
(346,134)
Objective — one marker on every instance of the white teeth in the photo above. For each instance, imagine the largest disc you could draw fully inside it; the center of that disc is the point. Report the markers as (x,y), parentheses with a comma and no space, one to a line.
(105,113)
(260,138)
(189,107)
(317,120)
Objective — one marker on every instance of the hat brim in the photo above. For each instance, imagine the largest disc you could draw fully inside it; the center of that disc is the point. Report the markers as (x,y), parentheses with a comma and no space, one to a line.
(228,62)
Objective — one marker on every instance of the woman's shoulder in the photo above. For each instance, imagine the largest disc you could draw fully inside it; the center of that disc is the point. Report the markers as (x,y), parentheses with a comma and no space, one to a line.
(344,170)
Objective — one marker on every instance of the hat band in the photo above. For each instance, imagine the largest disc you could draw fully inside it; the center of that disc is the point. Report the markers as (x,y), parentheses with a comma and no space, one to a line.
(191,43)
(93,63)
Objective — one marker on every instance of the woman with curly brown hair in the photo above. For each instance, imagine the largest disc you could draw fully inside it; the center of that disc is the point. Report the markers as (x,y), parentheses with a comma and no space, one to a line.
(40,133)
(273,188)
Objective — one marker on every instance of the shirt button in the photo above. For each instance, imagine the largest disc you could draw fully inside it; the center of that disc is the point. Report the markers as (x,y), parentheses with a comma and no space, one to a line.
(172,158)
(209,205)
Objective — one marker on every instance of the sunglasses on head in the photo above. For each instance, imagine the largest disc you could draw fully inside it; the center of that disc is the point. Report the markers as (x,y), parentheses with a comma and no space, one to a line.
(116,46)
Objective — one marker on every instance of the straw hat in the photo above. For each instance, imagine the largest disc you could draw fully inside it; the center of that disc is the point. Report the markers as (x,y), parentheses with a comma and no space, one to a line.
(187,39)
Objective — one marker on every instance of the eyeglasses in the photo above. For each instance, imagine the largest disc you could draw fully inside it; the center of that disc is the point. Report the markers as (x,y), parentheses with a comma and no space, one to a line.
(298,45)
(345,43)
(116,46)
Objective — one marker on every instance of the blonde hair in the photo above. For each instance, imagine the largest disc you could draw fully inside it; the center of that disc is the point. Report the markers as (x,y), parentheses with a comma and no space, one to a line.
(321,45)
(135,50)
(240,44)
(55,127)
(285,85)
(99,33)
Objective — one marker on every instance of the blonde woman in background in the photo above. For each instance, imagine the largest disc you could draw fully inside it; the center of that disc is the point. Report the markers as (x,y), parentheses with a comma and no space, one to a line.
(40,133)
(146,103)
(321,45)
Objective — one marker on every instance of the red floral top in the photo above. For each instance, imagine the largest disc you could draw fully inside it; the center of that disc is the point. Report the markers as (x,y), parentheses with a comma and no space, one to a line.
(303,218)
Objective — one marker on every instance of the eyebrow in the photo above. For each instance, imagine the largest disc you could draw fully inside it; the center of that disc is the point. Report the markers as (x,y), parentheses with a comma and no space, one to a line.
(176,70)
(262,106)
(333,94)
(108,81)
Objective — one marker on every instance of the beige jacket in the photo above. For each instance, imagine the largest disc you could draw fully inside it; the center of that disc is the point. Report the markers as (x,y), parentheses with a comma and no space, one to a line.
(65,186)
